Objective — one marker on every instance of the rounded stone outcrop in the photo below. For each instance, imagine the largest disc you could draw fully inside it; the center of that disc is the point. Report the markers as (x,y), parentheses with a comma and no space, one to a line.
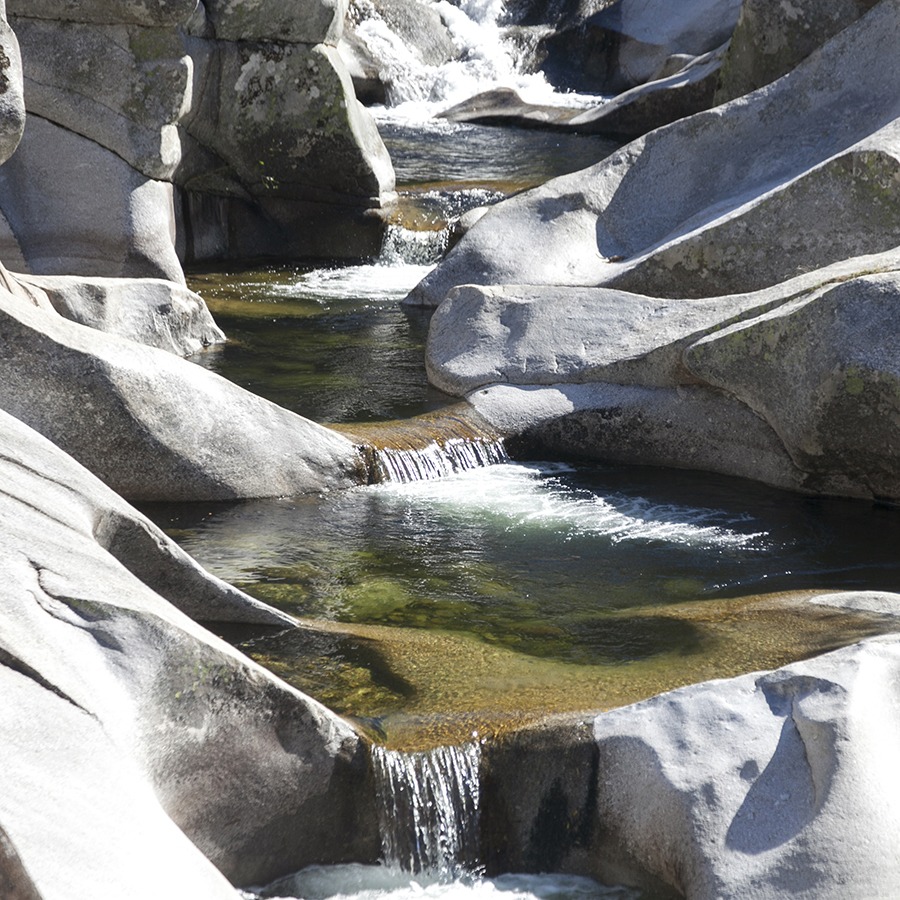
(771,38)
(711,170)
(768,785)
(820,370)
(168,132)
(12,101)
(153,426)
(646,294)
(135,742)
(65,222)
(149,310)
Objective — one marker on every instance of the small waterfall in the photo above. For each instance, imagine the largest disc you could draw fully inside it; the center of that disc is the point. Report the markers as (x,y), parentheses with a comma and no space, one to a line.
(429,804)
(436,460)
(482,57)
(427,447)
(407,246)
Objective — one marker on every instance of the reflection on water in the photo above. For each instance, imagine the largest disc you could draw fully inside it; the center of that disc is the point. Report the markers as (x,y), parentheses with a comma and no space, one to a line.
(515,589)
(331,359)
(439,151)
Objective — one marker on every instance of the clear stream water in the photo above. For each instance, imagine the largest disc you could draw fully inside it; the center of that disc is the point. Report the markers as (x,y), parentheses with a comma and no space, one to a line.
(445,608)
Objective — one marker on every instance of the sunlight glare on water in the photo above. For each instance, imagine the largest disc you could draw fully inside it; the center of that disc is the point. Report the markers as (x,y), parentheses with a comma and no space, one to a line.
(530,495)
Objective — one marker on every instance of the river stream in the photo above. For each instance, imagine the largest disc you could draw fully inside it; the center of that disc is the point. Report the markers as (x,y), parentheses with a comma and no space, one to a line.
(441,610)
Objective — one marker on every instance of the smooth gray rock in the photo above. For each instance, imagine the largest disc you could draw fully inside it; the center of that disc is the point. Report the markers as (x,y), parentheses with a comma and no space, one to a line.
(229,135)
(296,146)
(793,795)
(771,38)
(150,311)
(85,211)
(716,168)
(153,426)
(795,385)
(319,21)
(665,99)
(768,785)
(537,335)
(643,36)
(824,373)
(124,87)
(845,207)
(628,115)
(687,427)
(882,603)
(113,534)
(135,742)
(267,118)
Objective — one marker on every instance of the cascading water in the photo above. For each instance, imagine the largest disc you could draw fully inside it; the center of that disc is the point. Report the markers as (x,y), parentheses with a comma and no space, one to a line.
(437,460)
(484,59)
(429,805)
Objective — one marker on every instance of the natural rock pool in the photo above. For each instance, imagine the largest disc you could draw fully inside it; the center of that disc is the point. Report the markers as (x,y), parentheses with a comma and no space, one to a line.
(476,602)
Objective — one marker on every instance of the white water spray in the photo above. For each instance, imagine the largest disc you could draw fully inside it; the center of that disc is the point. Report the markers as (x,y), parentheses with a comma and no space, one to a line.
(484,60)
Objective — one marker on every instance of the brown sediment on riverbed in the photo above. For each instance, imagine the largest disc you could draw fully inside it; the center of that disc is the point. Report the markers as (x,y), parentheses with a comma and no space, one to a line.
(414,689)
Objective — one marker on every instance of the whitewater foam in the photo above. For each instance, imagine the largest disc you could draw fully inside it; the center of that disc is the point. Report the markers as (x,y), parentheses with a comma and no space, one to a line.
(534,496)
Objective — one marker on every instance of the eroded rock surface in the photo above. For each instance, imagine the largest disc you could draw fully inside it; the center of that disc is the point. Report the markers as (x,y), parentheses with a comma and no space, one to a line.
(155,756)
(730,231)
(769,785)
(153,426)
(166,131)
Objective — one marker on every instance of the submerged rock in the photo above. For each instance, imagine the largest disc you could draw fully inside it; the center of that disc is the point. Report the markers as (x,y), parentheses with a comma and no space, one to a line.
(768,785)
(158,758)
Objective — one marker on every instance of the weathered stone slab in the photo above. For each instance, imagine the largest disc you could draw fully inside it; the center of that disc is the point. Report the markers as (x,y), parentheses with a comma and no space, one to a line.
(685,427)
(66,222)
(769,785)
(107,12)
(825,373)
(543,335)
(125,88)
(147,310)
(591,227)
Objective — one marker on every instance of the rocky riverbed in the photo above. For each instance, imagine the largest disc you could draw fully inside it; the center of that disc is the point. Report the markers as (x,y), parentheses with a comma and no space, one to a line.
(719,294)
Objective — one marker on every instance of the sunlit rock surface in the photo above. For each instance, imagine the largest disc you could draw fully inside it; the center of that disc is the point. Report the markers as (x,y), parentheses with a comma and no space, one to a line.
(168,131)
(141,753)
(150,311)
(772,37)
(756,224)
(769,785)
(750,161)
(156,427)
